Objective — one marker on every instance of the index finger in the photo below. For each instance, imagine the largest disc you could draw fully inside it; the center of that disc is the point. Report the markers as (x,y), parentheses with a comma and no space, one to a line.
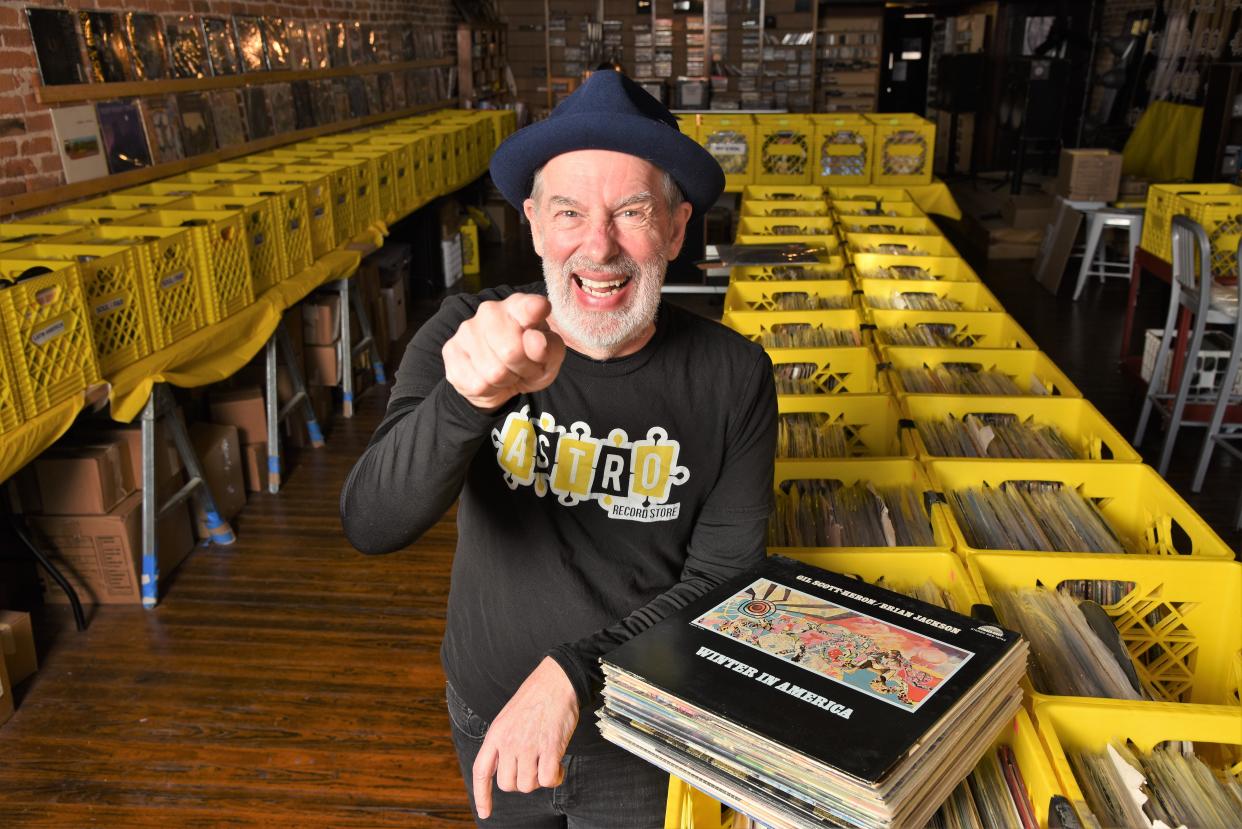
(528,310)
(481,775)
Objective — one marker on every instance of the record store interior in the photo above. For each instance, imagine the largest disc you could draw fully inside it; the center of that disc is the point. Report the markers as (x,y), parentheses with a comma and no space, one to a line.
(698,414)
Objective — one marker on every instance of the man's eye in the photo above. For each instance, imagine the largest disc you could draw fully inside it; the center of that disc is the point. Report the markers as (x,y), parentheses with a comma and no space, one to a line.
(568,214)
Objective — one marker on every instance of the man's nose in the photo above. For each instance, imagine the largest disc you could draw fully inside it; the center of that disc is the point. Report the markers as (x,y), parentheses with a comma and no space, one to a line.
(600,244)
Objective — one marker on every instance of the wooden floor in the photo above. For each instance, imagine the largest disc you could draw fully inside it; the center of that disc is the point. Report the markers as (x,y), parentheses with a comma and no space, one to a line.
(283,681)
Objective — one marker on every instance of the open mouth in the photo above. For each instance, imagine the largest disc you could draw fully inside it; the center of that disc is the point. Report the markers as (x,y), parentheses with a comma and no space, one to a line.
(600,288)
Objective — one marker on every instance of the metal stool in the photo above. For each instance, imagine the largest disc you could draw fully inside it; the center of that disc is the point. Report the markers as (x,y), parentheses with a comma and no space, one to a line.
(1094,262)
(276,413)
(1199,293)
(345,353)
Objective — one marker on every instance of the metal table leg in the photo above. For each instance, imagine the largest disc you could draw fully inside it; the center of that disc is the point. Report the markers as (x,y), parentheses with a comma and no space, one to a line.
(280,346)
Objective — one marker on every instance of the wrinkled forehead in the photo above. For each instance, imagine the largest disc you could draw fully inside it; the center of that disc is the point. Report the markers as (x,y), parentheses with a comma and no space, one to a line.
(599,175)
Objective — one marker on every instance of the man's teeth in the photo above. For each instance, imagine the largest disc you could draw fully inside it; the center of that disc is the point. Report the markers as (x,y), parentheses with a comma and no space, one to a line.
(601,288)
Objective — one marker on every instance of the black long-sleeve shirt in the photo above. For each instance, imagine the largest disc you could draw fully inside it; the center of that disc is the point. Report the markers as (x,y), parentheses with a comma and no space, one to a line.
(589,511)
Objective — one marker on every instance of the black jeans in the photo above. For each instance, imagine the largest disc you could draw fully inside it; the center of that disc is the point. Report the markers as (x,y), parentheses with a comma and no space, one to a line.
(610,790)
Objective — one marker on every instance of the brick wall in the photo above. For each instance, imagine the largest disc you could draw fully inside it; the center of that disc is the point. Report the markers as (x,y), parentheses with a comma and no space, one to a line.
(28,157)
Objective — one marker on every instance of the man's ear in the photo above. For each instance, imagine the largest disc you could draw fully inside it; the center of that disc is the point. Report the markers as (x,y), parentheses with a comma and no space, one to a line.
(536,230)
(681,217)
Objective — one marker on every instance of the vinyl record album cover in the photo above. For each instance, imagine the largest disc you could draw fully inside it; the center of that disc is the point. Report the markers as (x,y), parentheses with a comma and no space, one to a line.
(343,97)
(353,33)
(398,90)
(304,115)
(317,44)
(280,103)
(55,39)
(258,115)
(79,143)
(323,101)
(385,92)
(275,42)
(372,37)
(125,140)
(148,48)
(107,52)
(221,46)
(371,82)
(405,36)
(299,48)
(187,48)
(250,49)
(228,118)
(358,104)
(159,118)
(338,43)
(198,134)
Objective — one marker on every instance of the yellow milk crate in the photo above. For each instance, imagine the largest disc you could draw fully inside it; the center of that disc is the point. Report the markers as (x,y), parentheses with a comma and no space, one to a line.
(905,149)
(244,165)
(1030,370)
(334,185)
(174,286)
(872,422)
(1221,219)
(263,228)
(112,287)
(410,164)
(881,472)
(785,226)
(827,245)
(1073,724)
(451,163)
(731,141)
(437,165)
(841,370)
(771,296)
(292,215)
(320,215)
(47,332)
(1082,426)
(843,147)
(128,201)
(359,176)
(20,235)
(775,209)
(1178,619)
(82,216)
(784,143)
(405,190)
(758,326)
(11,415)
(873,193)
(900,570)
(221,252)
(833,268)
(906,294)
(383,179)
(207,175)
(1147,514)
(949,329)
(897,244)
(177,189)
(911,268)
(914,225)
(874,209)
(788,192)
(1163,203)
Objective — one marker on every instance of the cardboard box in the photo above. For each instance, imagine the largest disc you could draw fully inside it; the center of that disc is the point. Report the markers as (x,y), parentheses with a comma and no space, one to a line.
(17,645)
(1028,212)
(505,227)
(393,301)
(219,454)
(1089,175)
(77,480)
(167,459)
(323,368)
(292,321)
(379,328)
(101,555)
(320,323)
(254,466)
(242,408)
(1133,188)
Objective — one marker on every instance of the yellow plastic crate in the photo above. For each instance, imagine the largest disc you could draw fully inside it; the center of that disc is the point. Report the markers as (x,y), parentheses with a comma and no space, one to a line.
(916,225)
(359,176)
(775,209)
(243,165)
(10,396)
(174,287)
(405,191)
(329,194)
(967,329)
(221,252)
(834,268)
(1080,423)
(873,193)
(784,155)
(844,145)
(765,296)
(263,230)
(20,235)
(871,421)
(1025,366)
(1090,725)
(731,141)
(756,324)
(901,570)
(112,281)
(881,472)
(207,175)
(178,189)
(451,165)
(128,201)
(292,215)
(47,333)
(886,293)
(788,192)
(1163,202)
(1178,619)
(1221,219)
(409,164)
(81,216)
(843,370)
(1149,517)
(439,168)
(874,209)
(928,268)
(785,226)
(383,179)
(896,244)
(905,149)
(827,244)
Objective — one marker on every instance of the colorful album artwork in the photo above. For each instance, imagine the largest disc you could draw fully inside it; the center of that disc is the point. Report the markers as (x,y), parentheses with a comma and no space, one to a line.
(871,655)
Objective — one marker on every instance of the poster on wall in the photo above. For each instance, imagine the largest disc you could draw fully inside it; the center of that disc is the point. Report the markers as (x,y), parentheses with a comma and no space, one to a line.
(198,134)
(159,118)
(79,143)
(147,46)
(56,46)
(107,53)
(221,46)
(228,118)
(187,48)
(250,49)
(125,140)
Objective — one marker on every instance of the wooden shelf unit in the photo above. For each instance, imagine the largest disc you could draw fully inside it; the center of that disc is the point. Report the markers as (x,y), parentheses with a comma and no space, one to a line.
(482,55)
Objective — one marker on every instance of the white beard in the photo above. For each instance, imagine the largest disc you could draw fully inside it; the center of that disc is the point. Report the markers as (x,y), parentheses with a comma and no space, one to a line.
(605,331)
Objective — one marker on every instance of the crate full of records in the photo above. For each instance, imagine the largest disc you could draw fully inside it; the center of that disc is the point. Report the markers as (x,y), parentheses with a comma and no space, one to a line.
(822,426)
(827,268)
(911,268)
(807,295)
(990,371)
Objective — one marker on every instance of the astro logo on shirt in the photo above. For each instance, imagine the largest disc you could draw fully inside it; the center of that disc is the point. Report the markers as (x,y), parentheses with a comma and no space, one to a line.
(630,480)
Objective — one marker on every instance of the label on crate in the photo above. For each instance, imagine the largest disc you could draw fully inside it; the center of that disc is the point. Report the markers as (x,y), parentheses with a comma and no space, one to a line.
(44,335)
(727,148)
(107,307)
(172,279)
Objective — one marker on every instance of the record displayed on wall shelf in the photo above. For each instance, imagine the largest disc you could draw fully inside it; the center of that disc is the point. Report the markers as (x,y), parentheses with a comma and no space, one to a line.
(275,42)
(258,115)
(107,52)
(55,37)
(303,104)
(159,119)
(148,48)
(221,46)
(228,116)
(198,133)
(338,44)
(187,48)
(280,103)
(299,49)
(250,49)
(317,44)
(125,140)
(79,143)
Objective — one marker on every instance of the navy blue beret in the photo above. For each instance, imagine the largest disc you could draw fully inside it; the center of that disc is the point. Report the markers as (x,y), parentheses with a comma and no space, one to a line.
(609,112)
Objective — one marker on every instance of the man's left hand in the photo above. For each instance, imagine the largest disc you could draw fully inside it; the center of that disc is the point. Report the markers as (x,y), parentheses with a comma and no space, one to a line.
(524,745)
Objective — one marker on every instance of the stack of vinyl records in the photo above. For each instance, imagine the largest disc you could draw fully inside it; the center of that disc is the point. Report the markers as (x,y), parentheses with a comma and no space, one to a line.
(804,698)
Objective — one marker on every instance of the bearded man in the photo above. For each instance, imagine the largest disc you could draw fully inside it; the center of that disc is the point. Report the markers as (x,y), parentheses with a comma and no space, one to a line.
(613,456)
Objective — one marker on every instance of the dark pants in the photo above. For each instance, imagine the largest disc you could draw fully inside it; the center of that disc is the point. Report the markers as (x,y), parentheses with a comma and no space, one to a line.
(599,791)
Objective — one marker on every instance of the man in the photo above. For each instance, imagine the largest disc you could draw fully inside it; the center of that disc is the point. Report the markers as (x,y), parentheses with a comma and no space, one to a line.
(613,457)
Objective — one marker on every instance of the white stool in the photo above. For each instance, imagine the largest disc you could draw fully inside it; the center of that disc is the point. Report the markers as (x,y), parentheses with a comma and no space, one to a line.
(1094,261)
